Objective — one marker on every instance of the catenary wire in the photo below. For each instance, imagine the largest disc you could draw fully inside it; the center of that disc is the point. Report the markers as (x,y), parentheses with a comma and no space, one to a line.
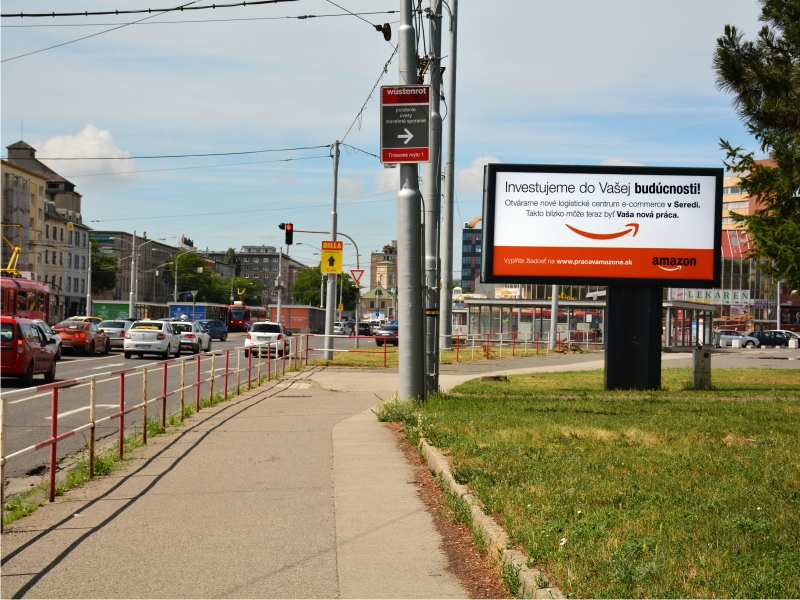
(384,71)
(360,150)
(300,17)
(352,13)
(86,37)
(145,10)
(188,155)
(256,162)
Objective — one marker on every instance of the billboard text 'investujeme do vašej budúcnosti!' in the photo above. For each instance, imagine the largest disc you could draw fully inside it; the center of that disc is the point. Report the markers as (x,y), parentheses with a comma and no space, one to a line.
(602,225)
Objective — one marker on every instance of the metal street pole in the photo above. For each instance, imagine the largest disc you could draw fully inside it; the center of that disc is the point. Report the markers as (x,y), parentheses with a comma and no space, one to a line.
(446,293)
(88,281)
(777,303)
(411,326)
(432,197)
(330,306)
(280,282)
(133,275)
(554,317)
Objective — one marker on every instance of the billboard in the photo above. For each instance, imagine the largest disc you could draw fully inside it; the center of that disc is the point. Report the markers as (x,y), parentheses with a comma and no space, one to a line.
(593,225)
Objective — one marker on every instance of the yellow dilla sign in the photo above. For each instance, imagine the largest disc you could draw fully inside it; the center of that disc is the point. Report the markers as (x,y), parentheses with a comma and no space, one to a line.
(331,260)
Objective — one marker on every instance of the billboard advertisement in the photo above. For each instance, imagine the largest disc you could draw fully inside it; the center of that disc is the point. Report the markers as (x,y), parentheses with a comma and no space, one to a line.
(595,225)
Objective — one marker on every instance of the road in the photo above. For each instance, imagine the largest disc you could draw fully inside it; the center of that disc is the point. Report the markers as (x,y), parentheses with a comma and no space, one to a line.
(28,419)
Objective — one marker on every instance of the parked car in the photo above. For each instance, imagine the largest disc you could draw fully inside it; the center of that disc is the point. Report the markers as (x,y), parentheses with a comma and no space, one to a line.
(216,329)
(375,324)
(363,329)
(193,336)
(387,333)
(25,351)
(771,338)
(745,340)
(115,330)
(152,337)
(338,328)
(792,334)
(52,337)
(266,334)
(82,336)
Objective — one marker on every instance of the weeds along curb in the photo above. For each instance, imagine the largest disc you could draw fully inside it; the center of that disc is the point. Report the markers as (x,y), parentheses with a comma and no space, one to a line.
(514,563)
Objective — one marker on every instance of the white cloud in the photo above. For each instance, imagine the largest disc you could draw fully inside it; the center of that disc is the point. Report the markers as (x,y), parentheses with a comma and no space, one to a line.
(470,180)
(349,188)
(618,162)
(89,142)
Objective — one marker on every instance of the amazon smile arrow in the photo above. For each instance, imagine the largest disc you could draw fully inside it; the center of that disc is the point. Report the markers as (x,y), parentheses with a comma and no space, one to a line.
(607,236)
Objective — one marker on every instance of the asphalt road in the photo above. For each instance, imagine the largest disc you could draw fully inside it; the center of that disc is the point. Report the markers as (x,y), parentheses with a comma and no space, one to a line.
(29,415)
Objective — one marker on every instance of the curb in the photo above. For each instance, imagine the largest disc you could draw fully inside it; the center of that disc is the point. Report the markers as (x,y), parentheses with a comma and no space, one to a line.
(494,536)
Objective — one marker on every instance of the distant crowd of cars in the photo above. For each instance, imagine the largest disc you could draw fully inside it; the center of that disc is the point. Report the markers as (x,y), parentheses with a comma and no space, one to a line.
(756,339)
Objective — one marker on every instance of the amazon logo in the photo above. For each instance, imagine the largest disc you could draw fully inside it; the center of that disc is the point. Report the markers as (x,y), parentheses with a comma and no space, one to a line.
(673,263)
(633,227)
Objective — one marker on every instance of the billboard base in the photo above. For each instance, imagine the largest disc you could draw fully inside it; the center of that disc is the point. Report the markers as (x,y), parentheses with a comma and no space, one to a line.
(633,338)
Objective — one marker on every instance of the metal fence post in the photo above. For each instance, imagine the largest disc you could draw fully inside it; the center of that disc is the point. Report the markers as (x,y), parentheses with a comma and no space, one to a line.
(121,440)
(92,433)
(164,399)
(238,370)
(227,361)
(3,416)
(183,386)
(144,405)
(269,364)
(307,336)
(197,386)
(458,345)
(385,345)
(258,372)
(249,366)
(213,373)
(283,356)
(53,436)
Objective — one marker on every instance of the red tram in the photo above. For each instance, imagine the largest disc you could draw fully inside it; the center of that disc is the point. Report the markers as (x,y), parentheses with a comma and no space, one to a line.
(25,298)
(239,314)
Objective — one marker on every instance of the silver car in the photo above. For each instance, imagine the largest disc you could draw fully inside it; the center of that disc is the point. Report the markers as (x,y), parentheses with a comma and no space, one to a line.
(193,336)
(726,337)
(152,337)
(115,331)
(53,339)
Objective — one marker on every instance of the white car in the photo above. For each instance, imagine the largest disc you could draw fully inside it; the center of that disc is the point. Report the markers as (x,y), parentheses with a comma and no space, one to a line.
(115,331)
(266,334)
(338,329)
(53,339)
(193,336)
(151,337)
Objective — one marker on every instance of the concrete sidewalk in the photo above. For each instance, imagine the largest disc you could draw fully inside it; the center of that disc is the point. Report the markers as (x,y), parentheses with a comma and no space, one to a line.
(287,491)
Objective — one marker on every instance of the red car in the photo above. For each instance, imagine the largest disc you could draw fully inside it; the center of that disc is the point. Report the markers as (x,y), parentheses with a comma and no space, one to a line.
(25,351)
(83,336)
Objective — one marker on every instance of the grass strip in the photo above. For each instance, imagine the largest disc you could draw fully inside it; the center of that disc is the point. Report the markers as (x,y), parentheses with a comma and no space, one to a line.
(670,493)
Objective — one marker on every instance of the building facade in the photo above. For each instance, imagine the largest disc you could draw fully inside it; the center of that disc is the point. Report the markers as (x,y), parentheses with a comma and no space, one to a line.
(261,263)
(471,238)
(383,267)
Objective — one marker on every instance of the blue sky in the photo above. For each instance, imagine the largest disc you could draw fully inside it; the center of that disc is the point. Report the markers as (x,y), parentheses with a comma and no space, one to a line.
(576,82)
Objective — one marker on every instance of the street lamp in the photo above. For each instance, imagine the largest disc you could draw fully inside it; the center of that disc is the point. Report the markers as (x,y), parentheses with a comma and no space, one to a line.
(134,292)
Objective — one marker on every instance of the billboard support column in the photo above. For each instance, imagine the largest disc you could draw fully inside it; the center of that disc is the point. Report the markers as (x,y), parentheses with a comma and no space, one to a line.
(633,338)
(554,317)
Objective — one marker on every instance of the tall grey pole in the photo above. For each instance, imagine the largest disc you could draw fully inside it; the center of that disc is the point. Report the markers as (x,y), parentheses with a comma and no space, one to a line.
(554,316)
(133,275)
(280,282)
(446,293)
(777,302)
(175,289)
(411,326)
(432,196)
(88,281)
(330,305)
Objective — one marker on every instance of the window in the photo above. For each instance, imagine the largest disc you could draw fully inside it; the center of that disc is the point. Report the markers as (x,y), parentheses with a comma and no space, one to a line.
(69,259)
(733,205)
(83,262)
(30,222)
(466,260)
(6,181)
(247,275)
(256,259)
(41,214)
(16,181)
(246,259)
(478,249)
(41,191)
(75,283)
(372,304)
(69,280)
(69,237)
(255,275)
(60,282)
(83,286)
(33,199)
(45,278)
(47,257)
(47,231)
(61,256)
(735,189)
(38,236)
(38,258)
(466,248)
(62,234)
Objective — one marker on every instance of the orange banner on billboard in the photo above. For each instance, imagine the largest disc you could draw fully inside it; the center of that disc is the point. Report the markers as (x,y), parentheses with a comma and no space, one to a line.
(622,263)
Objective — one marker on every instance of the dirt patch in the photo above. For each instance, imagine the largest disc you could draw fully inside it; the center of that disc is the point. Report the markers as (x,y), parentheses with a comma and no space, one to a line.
(465,561)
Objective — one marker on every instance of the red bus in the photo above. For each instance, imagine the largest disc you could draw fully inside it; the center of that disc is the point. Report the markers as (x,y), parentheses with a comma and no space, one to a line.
(25,298)
(239,314)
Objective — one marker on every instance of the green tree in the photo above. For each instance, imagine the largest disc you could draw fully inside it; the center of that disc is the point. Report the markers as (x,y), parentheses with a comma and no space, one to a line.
(764,77)
(230,259)
(104,269)
(305,288)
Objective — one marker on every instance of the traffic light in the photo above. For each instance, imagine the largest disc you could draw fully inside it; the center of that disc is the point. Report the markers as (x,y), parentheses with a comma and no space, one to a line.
(289,228)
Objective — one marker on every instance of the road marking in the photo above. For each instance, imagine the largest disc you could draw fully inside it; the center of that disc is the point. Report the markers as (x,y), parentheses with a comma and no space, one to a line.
(106,366)
(81,409)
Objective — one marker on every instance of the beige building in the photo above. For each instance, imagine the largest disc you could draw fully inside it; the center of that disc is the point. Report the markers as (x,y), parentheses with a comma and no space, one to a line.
(23,205)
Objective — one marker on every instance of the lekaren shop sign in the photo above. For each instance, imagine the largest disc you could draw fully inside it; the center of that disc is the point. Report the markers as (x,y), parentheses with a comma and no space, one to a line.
(713,296)
(602,225)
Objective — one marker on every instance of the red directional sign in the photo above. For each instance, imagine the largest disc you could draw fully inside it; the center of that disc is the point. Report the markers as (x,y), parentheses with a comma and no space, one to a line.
(357,273)
(405,123)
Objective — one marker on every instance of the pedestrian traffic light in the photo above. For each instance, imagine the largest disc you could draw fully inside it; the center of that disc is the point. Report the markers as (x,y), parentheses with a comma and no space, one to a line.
(289,228)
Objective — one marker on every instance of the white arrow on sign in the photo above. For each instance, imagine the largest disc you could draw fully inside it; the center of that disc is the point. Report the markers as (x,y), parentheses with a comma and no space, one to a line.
(408,136)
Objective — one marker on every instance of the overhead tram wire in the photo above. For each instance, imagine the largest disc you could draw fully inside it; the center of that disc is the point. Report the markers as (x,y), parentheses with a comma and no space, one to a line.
(298,17)
(86,37)
(384,71)
(360,150)
(182,8)
(186,155)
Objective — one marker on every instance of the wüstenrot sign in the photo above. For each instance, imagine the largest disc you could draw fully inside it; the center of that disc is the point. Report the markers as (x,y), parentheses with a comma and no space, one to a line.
(602,225)
(405,123)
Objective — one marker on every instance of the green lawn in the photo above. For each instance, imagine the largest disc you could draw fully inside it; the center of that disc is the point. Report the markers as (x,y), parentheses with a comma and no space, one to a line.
(673,493)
